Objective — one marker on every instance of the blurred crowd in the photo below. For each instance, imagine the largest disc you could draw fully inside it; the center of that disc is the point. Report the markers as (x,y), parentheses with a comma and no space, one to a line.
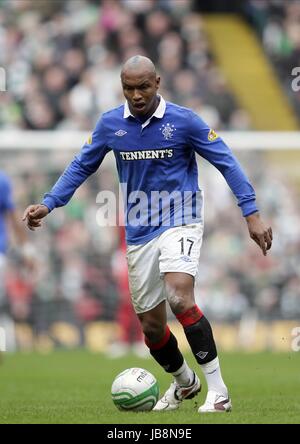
(63,61)
(278,25)
(75,280)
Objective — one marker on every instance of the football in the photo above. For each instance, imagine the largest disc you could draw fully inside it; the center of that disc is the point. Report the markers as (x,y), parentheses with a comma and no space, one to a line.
(135,389)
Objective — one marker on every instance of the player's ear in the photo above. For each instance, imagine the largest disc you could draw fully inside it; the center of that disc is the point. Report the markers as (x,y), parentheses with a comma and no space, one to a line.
(157,82)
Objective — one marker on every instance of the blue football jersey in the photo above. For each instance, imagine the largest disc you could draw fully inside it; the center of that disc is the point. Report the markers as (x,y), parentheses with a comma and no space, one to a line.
(156,163)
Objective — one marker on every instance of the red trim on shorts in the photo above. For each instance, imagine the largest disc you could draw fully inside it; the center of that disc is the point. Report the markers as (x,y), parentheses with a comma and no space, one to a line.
(190,316)
(160,344)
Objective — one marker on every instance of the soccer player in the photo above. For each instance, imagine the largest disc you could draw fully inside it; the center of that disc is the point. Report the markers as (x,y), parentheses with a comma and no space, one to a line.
(154,144)
(10,219)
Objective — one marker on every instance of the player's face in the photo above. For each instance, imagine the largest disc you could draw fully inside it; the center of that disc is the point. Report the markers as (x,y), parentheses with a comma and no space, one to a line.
(140,91)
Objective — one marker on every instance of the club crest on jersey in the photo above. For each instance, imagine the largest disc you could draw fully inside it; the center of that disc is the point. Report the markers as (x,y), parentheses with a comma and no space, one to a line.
(167,131)
(212,135)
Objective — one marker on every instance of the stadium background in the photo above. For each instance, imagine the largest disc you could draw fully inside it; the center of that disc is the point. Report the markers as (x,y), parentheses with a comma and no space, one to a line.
(62,62)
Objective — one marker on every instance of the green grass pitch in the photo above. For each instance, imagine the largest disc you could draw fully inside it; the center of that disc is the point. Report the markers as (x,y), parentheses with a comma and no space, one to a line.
(74,387)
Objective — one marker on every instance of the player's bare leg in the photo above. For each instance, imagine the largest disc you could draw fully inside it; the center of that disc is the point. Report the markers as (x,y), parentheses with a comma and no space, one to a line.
(154,323)
(180,294)
(164,348)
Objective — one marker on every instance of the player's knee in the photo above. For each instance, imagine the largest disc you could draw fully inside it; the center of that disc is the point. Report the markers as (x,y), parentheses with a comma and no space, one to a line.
(180,305)
(180,297)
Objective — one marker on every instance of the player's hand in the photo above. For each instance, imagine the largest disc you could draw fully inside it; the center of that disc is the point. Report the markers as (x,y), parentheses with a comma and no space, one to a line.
(34,214)
(262,235)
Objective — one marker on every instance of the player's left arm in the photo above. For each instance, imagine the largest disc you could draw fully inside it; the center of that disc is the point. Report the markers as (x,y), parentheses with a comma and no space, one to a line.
(210,146)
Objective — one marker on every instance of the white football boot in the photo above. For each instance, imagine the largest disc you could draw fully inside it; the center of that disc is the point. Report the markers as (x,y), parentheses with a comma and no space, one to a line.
(215,402)
(176,394)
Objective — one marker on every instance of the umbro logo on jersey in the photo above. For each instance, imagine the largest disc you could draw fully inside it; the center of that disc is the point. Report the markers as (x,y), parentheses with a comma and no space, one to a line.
(202,354)
(120,133)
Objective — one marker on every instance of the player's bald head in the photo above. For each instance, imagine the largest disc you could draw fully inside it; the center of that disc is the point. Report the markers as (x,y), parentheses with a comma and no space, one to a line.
(140,84)
(138,65)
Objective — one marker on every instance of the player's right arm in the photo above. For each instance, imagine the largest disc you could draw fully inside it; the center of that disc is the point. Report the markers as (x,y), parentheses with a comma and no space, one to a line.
(84,164)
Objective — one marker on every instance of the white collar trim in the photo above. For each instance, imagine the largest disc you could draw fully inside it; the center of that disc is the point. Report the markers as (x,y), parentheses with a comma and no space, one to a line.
(159,112)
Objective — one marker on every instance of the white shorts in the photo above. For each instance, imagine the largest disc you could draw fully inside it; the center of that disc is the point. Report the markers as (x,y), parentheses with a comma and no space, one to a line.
(175,250)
